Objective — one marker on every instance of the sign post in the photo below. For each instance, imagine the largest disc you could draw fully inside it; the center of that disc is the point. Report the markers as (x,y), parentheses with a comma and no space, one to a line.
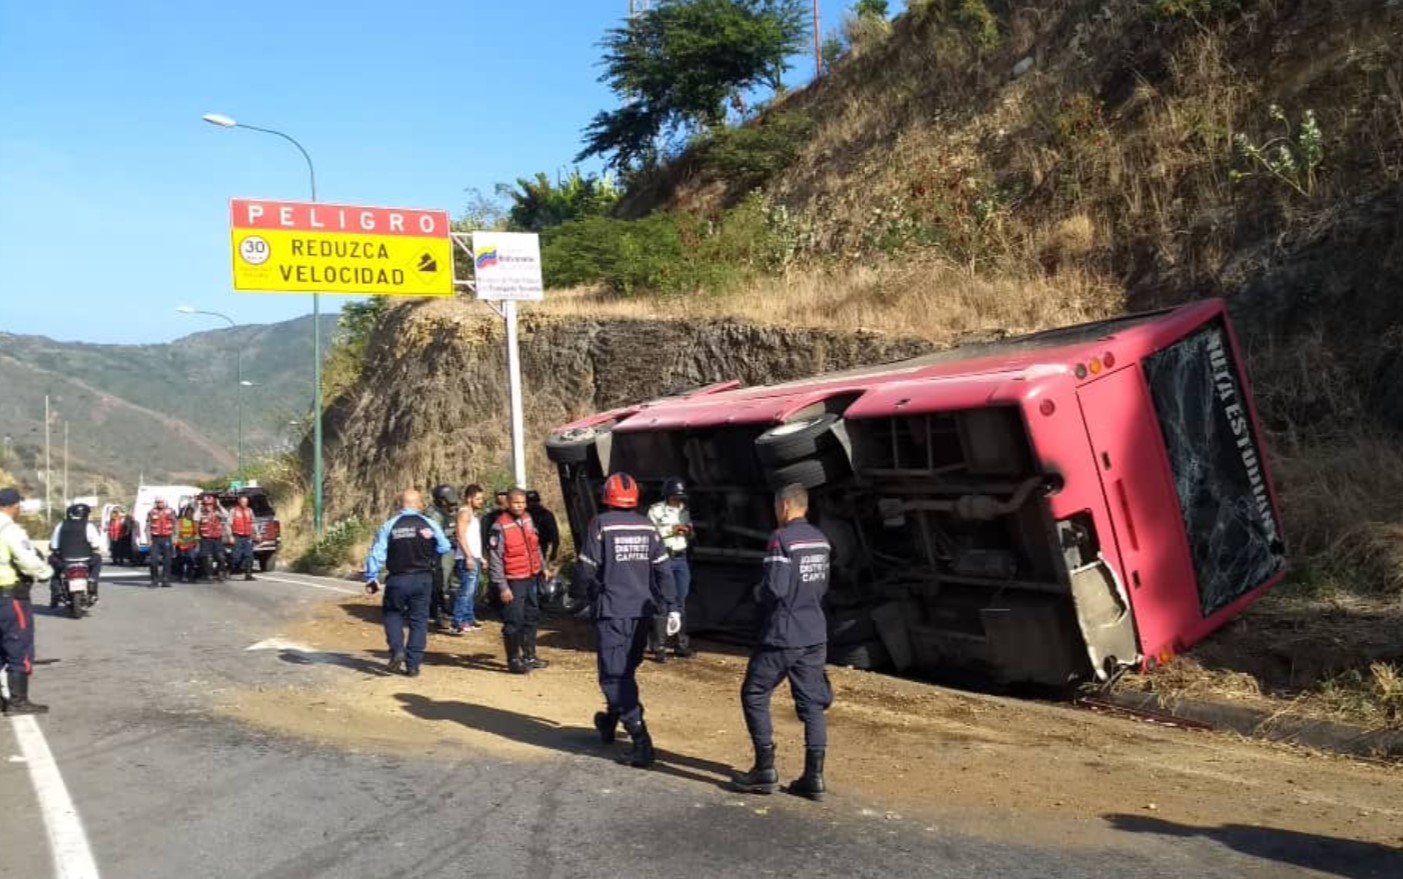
(314,247)
(507,269)
(304,247)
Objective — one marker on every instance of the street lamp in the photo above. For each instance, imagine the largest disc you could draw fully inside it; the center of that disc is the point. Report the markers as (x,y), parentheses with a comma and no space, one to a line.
(239,361)
(227,122)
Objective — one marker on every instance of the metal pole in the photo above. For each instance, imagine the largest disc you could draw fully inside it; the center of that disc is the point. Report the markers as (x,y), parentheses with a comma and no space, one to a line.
(317,509)
(66,495)
(514,389)
(48,471)
(239,371)
(818,47)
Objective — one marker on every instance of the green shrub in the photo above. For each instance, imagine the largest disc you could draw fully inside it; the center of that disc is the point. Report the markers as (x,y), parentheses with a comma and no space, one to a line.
(333,549)
(673,253)
(749,155)
(973,18)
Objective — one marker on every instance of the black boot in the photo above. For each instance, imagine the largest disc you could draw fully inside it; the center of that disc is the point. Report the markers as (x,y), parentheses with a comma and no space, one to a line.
(515,664)
(657,639)
(396,664)
(641,753)
(684,644)
(607,724)
(528,650)
(810,784)
(762,777)
(248,570)
(19,696)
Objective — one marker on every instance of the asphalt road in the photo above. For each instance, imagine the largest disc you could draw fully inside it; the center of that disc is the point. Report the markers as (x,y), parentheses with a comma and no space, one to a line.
(167,788)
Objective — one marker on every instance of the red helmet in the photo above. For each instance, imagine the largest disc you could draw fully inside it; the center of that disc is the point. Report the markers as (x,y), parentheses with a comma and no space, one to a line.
(621,491)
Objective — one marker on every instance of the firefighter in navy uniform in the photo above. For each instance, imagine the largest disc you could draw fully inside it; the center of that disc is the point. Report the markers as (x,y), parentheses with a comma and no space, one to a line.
(21,566)
(627,575)
(408,546)
(517,568)
(793,644)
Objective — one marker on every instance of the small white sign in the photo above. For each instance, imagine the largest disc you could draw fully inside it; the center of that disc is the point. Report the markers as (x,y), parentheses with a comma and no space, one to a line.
(507,265)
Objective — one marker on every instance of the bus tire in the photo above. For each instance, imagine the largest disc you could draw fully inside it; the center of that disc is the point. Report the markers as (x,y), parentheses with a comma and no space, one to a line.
(573,446)
(796,440)
(810,473)
(848,627)
(867,656)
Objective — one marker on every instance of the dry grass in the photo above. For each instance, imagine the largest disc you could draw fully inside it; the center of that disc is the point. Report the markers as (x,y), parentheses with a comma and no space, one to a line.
(931,298)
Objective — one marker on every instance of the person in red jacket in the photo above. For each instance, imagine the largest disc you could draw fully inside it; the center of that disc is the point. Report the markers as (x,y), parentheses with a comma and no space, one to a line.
(210,522)
(160,527)
(516,567)
(241,526)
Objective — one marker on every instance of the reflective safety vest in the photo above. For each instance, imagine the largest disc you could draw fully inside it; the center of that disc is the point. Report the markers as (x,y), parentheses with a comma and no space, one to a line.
(212,525)
(521,547)
(186,533)
(241,522)
(160,523)
(114,529)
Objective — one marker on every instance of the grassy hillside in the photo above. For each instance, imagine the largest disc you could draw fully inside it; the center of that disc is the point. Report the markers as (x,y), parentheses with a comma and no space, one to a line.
(167,411)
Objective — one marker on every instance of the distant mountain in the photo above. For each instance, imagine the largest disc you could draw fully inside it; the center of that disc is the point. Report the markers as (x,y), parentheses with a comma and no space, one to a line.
(168,412)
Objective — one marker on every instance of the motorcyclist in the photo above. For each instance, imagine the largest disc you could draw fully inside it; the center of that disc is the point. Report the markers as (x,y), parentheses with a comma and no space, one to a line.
(75,539)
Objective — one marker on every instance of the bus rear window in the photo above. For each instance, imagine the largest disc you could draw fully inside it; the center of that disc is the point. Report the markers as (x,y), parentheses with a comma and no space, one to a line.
(1234,537)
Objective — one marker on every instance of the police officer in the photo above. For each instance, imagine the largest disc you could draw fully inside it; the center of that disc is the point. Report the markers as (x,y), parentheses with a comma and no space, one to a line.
(445,516)
(20,566)
(674,524)
(160,527)
(408,546)
(516,568)
(75,539)
(241,528)
(625,571)
(793,644)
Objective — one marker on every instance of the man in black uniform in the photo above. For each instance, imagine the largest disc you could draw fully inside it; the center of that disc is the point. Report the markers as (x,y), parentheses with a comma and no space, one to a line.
(627,574)
(408,546)
(793,644)
(546,524)
(445,515)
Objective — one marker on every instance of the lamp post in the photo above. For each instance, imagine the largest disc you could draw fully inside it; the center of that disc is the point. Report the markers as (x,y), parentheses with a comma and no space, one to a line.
(239,367)
(227,122)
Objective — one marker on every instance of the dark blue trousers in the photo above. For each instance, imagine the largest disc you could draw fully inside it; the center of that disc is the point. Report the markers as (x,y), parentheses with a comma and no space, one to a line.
(16,632)
(407,600)
(808,684)
(241,559)
(619,645)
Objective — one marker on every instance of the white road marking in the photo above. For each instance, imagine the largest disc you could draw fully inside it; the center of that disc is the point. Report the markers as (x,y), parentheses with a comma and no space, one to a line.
(73,859)
(340,589)
(280,644)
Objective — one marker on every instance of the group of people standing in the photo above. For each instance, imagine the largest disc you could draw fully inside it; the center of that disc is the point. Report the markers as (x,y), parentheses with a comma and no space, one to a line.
(632,572)
(190,545)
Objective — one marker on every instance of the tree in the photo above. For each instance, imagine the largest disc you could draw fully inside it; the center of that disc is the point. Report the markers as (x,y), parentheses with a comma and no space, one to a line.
(876,8)
(676,66)
(538,204)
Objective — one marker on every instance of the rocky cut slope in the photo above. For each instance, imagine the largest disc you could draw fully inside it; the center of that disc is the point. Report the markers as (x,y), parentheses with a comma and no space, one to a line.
(431,405)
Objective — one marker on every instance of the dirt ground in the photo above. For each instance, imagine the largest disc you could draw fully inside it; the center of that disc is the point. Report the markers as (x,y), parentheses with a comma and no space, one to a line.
(899,745)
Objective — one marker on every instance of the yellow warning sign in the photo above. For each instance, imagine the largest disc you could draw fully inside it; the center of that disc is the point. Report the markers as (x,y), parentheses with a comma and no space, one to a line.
(301,247)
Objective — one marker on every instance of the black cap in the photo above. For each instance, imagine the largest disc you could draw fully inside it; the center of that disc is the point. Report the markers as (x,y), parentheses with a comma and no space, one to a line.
(10,496)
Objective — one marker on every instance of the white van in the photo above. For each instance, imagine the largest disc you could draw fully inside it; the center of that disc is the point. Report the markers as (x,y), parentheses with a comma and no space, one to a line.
(175,496)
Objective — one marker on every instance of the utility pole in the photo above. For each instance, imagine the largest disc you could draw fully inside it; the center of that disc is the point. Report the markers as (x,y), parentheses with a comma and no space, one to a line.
(638,7)
(818,45)
(48,500)
(66,495)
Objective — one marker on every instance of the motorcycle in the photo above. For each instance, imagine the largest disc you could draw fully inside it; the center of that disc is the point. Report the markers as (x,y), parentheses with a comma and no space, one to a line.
(74,588)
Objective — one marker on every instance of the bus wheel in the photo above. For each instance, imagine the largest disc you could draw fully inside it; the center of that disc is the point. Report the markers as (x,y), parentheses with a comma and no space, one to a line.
(796,440)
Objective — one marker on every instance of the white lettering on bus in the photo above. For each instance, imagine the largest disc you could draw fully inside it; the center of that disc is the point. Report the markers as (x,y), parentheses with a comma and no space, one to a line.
(1226,384)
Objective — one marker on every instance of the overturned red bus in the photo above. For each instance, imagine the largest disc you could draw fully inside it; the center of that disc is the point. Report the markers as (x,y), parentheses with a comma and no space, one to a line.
(1041,509)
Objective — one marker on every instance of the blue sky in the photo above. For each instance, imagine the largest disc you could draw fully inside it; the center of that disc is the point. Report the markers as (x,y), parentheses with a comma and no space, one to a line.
(113,193)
